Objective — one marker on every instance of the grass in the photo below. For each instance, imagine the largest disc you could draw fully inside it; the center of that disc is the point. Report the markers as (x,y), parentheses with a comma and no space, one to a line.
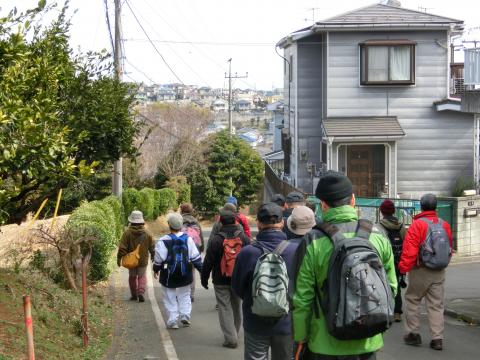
(56,318)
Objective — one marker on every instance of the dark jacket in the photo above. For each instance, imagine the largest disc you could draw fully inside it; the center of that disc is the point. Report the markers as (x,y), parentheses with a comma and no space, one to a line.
(391,225)
(134,235)
(286,214)
(214,254)
(189,220)
(242,283)
(416,235)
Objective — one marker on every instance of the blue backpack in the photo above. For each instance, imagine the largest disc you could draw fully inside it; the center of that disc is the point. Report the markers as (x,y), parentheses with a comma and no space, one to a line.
(178,263)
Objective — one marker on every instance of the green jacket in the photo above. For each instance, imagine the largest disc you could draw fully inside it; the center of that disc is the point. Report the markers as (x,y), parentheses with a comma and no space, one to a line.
(133,236)
(314,266)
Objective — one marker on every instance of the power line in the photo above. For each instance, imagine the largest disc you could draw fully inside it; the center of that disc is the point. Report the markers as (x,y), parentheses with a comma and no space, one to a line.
(151,42)
(212,43)
(107,17)
(140,71)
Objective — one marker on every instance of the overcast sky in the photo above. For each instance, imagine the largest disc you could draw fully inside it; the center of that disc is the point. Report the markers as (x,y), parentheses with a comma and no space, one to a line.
(196,38)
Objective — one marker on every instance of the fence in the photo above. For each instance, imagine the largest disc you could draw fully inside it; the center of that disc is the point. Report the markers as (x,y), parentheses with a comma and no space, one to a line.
(276,185)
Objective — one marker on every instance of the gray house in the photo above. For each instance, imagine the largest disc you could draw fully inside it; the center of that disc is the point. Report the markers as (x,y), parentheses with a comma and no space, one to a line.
(367,93)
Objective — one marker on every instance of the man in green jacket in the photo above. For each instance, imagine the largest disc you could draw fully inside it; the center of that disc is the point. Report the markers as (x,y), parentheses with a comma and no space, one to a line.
(337,200)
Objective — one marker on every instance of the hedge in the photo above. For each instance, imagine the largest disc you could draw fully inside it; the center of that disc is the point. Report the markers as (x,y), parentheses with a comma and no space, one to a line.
(147,204)
(131,200)
(167,200)
(184,192)
(117,208)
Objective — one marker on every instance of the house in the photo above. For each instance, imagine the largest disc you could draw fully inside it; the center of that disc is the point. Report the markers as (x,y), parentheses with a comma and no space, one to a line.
(219,105)
(363,95)
(277,108)
(243,105)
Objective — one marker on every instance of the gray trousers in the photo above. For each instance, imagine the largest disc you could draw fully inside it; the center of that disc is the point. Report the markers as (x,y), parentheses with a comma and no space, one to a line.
(257,347)
(229,312)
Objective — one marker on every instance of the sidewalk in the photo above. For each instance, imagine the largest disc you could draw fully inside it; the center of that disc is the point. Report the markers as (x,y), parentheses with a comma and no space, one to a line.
(462,290)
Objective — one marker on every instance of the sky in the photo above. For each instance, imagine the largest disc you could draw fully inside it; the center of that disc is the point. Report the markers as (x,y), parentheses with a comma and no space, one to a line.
(196,38)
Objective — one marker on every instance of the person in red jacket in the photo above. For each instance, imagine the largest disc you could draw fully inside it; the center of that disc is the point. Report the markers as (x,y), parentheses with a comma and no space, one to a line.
(422,281)
(242,219)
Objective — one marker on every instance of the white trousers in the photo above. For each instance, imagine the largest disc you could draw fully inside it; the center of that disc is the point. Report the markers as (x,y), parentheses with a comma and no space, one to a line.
(177,303)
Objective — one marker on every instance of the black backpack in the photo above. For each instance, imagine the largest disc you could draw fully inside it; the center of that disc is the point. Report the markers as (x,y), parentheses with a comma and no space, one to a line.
(358,301)
(396,241)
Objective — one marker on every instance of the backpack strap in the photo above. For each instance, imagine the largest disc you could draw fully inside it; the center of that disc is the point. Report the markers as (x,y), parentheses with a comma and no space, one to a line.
(280,248)
(332,232)
(364,229)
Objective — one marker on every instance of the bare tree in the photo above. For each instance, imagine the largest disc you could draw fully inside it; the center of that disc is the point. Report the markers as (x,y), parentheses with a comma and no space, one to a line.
(171,142)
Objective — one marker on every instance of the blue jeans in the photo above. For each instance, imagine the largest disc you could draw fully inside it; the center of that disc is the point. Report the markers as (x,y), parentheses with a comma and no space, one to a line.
(257,347)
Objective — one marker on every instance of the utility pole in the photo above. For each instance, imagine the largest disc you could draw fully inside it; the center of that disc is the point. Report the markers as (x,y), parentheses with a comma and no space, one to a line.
(117,181)
(230,98)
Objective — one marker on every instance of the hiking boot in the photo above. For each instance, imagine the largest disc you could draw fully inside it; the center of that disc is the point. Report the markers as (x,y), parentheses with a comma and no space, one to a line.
(412,339)
(172,326)
(133,298)
(436,344)
(397,317)
(230,345)
(141,298)
(184,320)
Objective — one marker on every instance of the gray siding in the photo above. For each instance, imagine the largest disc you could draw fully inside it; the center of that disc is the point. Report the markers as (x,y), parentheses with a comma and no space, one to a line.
(309,106)
(290,92)
(438,147)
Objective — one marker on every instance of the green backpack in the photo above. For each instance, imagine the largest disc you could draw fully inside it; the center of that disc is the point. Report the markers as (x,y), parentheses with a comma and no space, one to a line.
(270,283)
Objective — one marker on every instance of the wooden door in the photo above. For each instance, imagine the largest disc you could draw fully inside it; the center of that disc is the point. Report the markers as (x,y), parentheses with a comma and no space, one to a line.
(359,169)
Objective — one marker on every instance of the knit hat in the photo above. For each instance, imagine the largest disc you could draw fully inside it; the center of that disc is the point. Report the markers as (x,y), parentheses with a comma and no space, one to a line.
(175,221)
(334,186)
(227,217)
(387,207)
(136,217)
(295,197)
(301,221)
(232,200)
(269,213)
(230,207)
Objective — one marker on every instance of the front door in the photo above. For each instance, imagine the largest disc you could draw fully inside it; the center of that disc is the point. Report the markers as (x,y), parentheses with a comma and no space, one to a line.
(366,169)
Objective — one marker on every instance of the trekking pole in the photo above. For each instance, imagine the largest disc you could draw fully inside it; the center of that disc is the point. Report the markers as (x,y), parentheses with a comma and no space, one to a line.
(29,327)
(84,300)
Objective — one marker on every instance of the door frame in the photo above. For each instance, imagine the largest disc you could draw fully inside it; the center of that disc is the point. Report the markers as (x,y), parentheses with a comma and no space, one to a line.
(389,166)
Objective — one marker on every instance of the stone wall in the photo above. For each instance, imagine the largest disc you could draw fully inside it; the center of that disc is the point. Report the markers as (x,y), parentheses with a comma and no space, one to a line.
(466,224)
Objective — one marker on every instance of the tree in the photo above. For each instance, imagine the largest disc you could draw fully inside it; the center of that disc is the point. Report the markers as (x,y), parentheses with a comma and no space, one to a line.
(233,166)
(58,113)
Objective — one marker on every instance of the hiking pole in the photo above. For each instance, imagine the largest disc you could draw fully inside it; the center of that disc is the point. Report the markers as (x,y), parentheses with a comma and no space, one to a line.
(29,326)
(84,300)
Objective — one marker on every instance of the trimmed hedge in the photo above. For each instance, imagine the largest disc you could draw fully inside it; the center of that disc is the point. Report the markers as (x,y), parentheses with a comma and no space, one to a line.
(181,187)
(147,204)
(184,192)
(117,208)
(131,200)
(167,200)
(97,218)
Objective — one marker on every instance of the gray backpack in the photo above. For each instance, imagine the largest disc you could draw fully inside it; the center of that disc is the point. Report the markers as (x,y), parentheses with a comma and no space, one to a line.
(270,283)
(435,251)
(357,299)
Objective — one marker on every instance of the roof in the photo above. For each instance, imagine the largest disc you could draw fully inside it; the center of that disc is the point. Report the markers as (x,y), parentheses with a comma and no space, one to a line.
(348,127)
(378,17)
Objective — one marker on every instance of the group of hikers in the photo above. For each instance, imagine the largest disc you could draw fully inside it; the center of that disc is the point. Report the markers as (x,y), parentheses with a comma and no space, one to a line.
(305,287)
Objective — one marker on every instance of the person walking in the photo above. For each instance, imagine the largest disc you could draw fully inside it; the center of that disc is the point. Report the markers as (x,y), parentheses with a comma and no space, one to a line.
(264,333)
(175,254)
(219,260)
(242,219)
(293,200)
(424,280)
(315,331)
(395,232)
(136,235)
(192,228)
(217,225)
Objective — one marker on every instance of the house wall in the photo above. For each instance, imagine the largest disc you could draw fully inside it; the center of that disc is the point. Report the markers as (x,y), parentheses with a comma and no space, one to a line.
(438,146)
(290,91)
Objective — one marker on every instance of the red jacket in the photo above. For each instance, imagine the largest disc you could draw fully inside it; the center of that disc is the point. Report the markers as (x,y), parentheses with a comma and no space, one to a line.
(416,235)
(242,219)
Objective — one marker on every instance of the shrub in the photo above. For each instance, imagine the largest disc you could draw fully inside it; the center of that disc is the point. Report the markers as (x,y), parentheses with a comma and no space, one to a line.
(147,204)
(131,200)
(117,208)
(181,187)
(463,183)
(167,200)
(184,192)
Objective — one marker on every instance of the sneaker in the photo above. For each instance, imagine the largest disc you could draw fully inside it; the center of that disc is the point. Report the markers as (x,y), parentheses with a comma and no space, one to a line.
(412,339)
(173,326)
(230,345)
(141,298)
(436,344)
(397,317)
(133,298)
(184,320)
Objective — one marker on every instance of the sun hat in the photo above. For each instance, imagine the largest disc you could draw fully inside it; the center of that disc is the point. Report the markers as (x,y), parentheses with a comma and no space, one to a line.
(136,217)
(301,220)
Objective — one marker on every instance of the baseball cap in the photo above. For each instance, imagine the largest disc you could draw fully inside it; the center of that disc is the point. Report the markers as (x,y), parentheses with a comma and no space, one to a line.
(269,213)
(175,221)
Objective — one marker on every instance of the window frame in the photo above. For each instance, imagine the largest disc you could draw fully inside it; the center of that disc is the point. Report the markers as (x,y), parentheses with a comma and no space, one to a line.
(363,46)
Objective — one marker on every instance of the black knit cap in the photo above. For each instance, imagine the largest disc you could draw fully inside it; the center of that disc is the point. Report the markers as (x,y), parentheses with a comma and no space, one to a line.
(227,217)
(270,213)
(334,186)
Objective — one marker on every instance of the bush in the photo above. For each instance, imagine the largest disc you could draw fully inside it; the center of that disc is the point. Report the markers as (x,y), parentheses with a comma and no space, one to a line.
(117,208)
(167,200)
(131,200)
(147,204)
(463,183)
(96,219)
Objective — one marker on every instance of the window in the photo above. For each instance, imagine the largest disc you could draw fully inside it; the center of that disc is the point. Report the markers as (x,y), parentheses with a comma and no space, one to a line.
(387,62)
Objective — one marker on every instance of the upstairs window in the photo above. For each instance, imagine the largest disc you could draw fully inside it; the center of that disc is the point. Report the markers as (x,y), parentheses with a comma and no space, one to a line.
(387,62)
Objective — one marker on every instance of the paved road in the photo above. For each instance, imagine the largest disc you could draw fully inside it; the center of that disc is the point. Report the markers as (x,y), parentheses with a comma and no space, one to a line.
(139,338)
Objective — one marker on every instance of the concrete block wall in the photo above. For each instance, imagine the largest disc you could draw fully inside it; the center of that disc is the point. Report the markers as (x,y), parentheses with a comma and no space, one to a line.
(466,230)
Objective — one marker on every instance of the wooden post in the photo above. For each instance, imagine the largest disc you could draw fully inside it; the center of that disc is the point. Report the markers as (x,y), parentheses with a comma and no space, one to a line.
(84,300)
(29,326)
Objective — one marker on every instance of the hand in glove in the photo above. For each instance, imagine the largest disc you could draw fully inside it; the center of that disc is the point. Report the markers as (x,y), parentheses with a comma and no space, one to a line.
(402,282)
(205,284)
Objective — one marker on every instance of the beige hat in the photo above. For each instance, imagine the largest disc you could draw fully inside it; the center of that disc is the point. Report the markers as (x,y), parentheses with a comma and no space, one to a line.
(175,221)
(136,217)
(301,221)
